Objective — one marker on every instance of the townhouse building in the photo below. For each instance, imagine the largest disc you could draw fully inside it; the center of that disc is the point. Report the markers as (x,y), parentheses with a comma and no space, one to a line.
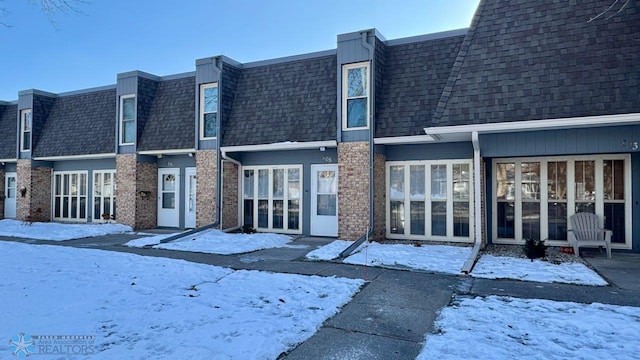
(496,133)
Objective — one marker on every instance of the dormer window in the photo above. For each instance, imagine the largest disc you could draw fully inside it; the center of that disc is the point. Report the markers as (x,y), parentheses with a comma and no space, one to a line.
(355,96)
(127,120)
(208,111)
(25,130)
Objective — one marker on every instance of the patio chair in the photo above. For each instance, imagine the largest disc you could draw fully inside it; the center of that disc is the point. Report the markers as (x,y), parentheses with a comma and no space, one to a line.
(585,232)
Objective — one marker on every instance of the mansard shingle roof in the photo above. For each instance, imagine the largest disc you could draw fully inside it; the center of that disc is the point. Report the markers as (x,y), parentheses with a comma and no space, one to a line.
(414,77)
(289,101)
(170,122)
(529,60)
(79,124)
(8,128)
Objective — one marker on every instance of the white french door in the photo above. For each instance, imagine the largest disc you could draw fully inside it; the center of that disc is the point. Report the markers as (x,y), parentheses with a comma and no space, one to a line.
(169,197)
(70,195)
(324,200)
(190,198)
(272,198)
(104,197)
(10,195)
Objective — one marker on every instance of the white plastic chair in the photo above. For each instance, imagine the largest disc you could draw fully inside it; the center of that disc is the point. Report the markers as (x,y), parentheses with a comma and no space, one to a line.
(586,232)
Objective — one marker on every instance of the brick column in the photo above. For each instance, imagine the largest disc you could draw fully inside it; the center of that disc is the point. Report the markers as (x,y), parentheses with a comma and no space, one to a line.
(35,204)
(136,192)
(229,195)
(206,186)
(379,196)
(2,194)
(353,189)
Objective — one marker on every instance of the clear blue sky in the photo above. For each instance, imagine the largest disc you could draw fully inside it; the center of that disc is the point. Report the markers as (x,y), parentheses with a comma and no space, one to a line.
(166,37)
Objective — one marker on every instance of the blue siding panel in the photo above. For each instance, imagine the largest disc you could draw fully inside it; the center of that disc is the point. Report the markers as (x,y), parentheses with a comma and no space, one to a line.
(561,142)
(458,150)
(10,167)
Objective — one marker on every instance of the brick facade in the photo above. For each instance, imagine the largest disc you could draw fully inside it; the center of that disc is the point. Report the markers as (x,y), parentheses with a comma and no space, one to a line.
(379,196)
(136,192)
(206,187)
(229,195)
(35,205)
(353,189)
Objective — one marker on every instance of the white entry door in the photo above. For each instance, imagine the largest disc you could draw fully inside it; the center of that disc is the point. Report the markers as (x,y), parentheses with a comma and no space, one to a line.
(10,195)
(190,198)
(324,200)
(169,197)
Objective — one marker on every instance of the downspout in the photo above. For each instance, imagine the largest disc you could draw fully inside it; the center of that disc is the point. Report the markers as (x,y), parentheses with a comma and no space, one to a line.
(371,49)
(226,157)
(218,69)
(477,198)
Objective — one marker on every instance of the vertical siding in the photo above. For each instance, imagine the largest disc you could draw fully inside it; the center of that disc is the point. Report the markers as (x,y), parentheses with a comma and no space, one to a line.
(448,151)
(125,86)
(206,72)
(561,142)
(25,101)
(351,50)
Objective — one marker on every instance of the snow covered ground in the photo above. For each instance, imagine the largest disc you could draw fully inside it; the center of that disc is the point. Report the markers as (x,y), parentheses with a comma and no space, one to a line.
(450,259)
(504,267)
(57,231)
(216,242)
(156,308)
(437,258)
(509,328)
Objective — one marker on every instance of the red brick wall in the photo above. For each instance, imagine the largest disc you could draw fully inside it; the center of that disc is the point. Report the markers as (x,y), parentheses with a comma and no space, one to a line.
(379,197)
(230,195)
(206,187)
(134,180)
(353,189)
(36,203)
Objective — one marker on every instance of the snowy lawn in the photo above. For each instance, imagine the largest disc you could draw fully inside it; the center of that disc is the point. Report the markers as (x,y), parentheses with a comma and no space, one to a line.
(330,251)
(216,242)
(510,328)
(57,231)
(505,267)
(155,308)
(450,259)
(438,258)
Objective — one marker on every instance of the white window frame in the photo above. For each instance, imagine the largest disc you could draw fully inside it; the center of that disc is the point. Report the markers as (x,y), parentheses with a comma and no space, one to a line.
(427,199)
(122,121)
(26,118)
(63,196)
(570,201)
(345,98)
(203,87)
(111,198)
(285,208)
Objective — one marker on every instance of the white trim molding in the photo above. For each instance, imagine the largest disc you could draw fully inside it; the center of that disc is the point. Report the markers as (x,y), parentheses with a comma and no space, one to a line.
(75,157)
(398,140)
(168,152)
(8,160)
(281,146)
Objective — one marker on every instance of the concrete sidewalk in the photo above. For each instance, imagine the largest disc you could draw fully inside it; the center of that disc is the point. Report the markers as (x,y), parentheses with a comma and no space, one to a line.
(390,316)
